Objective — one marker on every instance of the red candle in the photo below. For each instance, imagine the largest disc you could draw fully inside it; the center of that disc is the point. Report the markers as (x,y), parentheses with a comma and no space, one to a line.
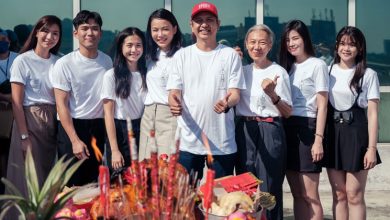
(131,140)
(208,196)
(171,178)
(104,182)
(154,176)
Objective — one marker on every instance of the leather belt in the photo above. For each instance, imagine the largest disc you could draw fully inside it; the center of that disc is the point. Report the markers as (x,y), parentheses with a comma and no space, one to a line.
(259,119)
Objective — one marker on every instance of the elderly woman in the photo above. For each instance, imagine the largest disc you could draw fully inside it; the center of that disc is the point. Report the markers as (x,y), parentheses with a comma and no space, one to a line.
(259,132)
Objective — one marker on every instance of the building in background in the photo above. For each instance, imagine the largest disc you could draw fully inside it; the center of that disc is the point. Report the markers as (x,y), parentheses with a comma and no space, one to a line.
(324,18)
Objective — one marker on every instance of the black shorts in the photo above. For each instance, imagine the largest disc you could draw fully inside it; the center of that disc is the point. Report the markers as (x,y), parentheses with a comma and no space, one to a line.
(300,138)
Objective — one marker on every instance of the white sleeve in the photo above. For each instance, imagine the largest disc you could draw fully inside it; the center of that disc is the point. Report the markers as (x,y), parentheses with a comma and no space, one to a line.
(19,72)
(236,75)
(175,76)
(372,83)
(321,77)
(60,80)
(108,87)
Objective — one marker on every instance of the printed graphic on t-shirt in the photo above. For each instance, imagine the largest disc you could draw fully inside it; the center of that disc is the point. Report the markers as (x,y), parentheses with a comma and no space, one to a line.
(222,77)
(164,78)
(35,85)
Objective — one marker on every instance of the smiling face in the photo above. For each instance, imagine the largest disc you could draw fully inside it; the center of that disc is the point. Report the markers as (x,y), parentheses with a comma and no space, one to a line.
(295,44)
(205,25)
(258,44)
(347,50)
(88,35)
(162,32)
(48,37)
(132,49)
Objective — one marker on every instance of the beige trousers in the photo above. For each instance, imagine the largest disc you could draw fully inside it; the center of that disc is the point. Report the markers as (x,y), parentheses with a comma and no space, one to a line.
(42,130)
(159,118)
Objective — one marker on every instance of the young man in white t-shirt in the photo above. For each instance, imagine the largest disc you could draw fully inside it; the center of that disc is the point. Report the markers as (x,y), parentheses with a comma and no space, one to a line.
(204,84)
(77,79)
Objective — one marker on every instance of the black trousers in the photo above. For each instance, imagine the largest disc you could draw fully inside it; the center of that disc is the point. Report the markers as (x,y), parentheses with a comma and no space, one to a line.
(261,148)
(86,129)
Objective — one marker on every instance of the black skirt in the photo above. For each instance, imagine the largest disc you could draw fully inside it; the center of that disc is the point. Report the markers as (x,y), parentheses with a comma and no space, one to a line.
(347,142)
(300,138)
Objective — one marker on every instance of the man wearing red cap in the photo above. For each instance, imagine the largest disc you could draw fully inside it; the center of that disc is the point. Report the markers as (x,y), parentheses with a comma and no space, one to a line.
(204,84)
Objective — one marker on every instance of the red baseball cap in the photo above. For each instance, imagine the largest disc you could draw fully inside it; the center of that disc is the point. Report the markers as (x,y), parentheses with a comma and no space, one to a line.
(204,6)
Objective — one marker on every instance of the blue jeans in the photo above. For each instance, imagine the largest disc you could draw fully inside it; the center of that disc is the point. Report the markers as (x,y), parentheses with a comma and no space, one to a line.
(223,165)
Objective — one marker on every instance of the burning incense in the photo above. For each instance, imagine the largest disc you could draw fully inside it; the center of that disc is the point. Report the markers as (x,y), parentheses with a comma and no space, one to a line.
(136,170)
(154,176)
(96,150)
(171,173)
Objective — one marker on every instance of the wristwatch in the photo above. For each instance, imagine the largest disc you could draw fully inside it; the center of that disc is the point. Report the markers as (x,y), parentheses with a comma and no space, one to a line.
(23,136)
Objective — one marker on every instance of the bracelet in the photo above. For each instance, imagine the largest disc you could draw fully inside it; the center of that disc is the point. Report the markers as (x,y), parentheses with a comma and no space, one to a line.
(319,135)
(277,101)
(371,147)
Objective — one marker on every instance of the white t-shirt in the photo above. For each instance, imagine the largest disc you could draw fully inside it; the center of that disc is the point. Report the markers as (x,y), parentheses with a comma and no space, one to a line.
(306,80)
(340,94)
(82,78)
(5,66)
(33,72)
(156,79)
(204,78)
(254,101)
(133,105)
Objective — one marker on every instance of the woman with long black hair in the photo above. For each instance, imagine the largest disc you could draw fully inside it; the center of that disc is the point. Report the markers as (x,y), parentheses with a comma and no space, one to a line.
(353,124)
(309,82)
(123,94)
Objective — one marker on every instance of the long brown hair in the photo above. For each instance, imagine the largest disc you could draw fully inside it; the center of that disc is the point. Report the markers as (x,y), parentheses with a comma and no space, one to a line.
(358,38)
(43,22)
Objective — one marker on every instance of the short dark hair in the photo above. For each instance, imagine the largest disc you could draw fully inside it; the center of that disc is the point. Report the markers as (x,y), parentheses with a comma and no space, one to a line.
(151,46)
(83,16)
(285,58)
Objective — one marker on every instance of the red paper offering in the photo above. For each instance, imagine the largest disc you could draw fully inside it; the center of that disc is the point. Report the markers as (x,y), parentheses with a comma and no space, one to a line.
(245,182)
